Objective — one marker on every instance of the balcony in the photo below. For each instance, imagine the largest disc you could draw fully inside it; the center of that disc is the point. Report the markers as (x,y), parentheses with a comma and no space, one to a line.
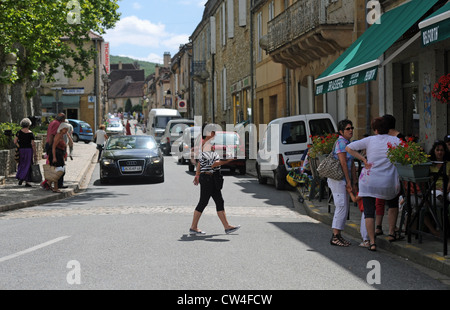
(309,30)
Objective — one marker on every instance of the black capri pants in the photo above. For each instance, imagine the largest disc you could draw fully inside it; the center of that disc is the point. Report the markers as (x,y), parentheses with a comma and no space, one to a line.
(207,190)
(369,205)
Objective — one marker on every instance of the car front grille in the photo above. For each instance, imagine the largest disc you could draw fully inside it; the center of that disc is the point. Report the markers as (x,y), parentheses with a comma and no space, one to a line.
(132,166)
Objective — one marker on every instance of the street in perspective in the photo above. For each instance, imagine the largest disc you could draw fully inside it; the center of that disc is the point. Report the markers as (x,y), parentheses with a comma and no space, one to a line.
(134,234)
(225,152)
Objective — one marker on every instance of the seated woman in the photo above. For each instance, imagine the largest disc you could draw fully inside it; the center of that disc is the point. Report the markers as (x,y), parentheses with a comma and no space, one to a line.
(440,153)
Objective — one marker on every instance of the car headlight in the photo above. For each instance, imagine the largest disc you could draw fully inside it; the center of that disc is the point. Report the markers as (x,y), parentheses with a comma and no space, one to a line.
(108,161)
(155,160)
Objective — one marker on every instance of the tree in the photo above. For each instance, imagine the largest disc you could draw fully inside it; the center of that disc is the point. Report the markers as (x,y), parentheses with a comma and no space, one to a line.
(128,105)
(37,31)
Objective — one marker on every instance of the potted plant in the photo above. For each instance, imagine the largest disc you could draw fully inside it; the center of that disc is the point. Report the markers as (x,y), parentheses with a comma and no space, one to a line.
(410,159)
(441,90)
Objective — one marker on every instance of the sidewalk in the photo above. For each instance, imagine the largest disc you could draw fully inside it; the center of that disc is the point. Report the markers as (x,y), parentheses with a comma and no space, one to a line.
(429,253)
(13,196)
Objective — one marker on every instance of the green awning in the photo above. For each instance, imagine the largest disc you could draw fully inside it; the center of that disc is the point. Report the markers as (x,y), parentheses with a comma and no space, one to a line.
(359,63)
(436,27)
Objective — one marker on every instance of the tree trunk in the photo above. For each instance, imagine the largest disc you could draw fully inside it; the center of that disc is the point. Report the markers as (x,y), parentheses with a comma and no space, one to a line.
(18,102)
(5,109)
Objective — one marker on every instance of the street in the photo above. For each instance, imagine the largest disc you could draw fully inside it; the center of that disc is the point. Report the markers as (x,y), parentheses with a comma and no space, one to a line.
(134,235)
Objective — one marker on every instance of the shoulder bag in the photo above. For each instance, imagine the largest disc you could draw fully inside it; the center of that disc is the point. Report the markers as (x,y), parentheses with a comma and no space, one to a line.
(330,167)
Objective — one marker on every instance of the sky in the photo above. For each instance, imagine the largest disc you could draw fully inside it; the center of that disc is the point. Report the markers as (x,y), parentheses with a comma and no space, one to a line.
(149,28)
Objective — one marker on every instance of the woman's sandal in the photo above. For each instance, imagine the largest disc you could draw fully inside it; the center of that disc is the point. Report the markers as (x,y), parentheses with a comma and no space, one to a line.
(337,240)
(372,247)
(380,230)
(395,237)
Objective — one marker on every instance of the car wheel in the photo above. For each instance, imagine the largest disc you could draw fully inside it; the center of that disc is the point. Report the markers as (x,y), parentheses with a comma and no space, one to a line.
(261,180)
(104,181)
(75,138)
(242,170)
(278,181)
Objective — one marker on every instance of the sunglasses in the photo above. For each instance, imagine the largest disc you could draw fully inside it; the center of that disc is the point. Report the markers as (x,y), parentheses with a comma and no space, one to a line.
(349,128)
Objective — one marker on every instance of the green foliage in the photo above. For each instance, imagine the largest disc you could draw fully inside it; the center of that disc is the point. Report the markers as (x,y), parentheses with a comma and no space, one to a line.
(148,67)
(5,140)
(40,29)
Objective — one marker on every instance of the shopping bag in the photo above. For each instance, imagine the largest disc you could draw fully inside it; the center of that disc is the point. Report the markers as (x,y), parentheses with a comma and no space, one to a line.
(36,176)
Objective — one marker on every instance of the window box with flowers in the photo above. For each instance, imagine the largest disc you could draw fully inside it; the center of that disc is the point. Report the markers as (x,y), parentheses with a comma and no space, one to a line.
(441,90)
(410,159)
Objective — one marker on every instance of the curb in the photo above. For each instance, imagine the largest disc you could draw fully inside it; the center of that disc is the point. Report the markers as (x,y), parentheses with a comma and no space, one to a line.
(403,249)
(51,198)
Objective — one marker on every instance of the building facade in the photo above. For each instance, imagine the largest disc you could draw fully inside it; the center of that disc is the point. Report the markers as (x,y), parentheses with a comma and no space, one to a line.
(78,99)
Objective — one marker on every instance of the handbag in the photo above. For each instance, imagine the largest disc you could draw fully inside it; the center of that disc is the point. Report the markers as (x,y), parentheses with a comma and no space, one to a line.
(330,167)
(51,174)
(17,155)
(36,176)
(218,180)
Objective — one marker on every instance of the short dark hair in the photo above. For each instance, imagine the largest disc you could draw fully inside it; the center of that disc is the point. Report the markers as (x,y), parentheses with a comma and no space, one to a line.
(390,120)
(381,125)
(342,124)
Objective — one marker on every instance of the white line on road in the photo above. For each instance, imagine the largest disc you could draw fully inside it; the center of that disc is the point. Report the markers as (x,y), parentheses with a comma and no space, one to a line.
(37,247)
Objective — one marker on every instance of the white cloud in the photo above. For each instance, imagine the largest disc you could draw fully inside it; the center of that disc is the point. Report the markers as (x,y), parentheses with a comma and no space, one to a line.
(132,30)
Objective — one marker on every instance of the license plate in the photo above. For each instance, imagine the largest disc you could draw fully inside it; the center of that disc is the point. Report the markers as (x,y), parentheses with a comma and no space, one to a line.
(131,169)
(296,164)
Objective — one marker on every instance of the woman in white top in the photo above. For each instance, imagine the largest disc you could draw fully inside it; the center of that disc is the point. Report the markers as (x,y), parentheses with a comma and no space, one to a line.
(379,177)
(100,139)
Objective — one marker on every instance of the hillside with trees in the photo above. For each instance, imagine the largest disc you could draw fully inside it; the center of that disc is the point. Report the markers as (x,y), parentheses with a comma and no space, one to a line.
(148,67)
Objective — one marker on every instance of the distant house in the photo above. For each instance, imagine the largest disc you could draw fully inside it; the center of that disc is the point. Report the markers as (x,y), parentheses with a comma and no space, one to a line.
(126,83)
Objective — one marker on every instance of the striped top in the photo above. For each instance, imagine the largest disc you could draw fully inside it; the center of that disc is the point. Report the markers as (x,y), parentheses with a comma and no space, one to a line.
(206,160)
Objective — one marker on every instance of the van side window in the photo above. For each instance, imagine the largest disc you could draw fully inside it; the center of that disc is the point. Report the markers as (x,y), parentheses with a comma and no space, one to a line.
(320,127)
(293,132)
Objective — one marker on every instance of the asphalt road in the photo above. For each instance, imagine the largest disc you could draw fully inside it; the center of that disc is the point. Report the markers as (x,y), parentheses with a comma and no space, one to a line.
(134,236)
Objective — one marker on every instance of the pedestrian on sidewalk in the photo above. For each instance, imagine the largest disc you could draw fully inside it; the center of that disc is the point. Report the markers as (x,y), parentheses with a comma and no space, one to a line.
(52,130)
(340,188)
(58,152)
(24,140)
(379,177)
(100,138)
(210,180)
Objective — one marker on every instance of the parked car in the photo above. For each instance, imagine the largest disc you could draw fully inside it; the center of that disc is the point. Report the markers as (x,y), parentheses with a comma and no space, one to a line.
(187,142)
(284,142)
(129,157)
(82,131)
(174,130)
(228,145)
(115,127)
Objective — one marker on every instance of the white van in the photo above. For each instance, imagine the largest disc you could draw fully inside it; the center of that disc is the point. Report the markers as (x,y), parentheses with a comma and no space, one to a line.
(284,142)
(157,121)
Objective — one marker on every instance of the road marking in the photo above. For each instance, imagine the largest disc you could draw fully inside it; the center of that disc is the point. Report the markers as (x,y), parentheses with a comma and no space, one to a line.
(37,247)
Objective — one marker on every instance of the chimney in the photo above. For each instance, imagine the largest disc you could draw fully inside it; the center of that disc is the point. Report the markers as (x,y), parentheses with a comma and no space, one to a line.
(167,59)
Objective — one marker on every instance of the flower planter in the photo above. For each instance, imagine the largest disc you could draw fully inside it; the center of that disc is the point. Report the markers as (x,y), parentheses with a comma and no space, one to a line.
(413,172)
